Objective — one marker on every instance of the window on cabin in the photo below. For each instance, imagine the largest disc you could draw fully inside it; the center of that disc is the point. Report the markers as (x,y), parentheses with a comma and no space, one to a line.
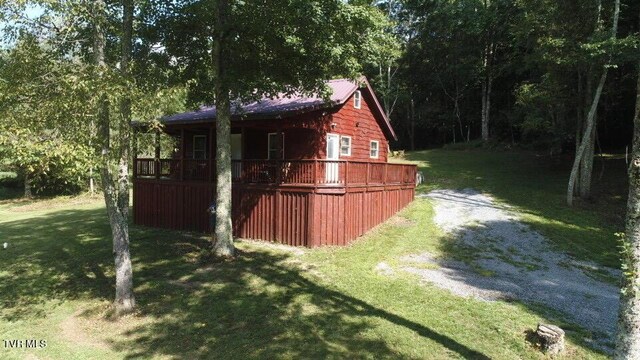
(273,146)
(374,149)
(357,99)
(345,146)
(199,147)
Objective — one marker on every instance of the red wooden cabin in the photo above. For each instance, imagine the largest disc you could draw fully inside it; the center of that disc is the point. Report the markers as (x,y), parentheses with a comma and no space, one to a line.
(306,172)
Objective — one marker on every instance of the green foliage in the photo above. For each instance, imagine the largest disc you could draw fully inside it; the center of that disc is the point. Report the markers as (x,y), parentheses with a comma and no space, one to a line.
(547,56)
(627,261)
(9,179)
(538,112)
(54,165)
(48,101)
(44,121)
(307,43)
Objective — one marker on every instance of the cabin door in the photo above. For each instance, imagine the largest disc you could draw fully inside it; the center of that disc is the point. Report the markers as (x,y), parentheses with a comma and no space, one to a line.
(333,151)
(236,154)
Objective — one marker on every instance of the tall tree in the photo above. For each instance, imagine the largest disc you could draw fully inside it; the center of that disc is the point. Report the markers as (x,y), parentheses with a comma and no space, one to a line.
(223,244)
(116,186)
(628,339)
(80,73)
(587,136)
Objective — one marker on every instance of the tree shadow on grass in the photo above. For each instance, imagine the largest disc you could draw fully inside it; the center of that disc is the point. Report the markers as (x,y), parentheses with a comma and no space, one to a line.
(59,256)
(262,305)
(500,259)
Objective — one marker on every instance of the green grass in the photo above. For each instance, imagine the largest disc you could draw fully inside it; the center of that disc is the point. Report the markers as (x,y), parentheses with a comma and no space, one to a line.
(57,279)
(536,186)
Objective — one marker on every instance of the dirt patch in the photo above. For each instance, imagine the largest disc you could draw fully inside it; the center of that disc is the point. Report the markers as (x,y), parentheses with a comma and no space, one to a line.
(27,205)
(74,329)
(401,221)
(297,251)
(185,284)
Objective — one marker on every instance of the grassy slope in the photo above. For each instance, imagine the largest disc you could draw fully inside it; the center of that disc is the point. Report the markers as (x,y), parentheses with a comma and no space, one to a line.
(57,281)
(536,186)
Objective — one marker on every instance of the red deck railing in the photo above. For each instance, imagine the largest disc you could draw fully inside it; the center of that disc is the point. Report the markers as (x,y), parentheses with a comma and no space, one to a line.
(290,172)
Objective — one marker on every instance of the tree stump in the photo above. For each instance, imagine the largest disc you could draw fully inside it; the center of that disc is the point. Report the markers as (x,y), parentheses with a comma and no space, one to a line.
(551,338)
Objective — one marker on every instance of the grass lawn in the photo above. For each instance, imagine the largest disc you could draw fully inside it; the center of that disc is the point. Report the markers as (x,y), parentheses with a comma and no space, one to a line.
(272,302)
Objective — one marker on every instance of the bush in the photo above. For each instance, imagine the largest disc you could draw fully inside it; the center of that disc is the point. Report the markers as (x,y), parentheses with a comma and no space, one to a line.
(463,145)
(9,179)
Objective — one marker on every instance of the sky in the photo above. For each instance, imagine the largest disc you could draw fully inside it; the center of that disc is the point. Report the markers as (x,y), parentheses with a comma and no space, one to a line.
(30,12)
(33,11)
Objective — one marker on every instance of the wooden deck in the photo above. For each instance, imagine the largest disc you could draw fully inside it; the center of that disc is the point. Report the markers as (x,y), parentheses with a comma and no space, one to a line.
(306,173)
(295,202)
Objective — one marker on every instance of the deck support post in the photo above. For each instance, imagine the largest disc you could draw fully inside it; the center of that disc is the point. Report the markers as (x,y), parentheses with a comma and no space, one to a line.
(346,173)
(280,155)
(366,181)
(157,153)
(315,172)
(243,153)
(384,176)
(134,139)
(182,154)
(211,156)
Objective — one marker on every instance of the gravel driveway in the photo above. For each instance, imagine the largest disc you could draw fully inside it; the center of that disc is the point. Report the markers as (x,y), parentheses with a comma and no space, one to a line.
(505,259)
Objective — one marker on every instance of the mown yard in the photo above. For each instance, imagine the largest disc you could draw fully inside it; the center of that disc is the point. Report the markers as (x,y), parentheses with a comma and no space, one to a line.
(275,302)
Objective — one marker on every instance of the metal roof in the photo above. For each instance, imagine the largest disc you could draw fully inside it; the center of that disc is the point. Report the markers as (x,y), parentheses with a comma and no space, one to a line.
(282,106)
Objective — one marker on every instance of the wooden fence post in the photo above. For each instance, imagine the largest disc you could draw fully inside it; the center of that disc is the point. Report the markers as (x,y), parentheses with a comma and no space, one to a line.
(384,176)
(157,154)
(315,172)
(135,153)
(182,150)
(210,163)
(367,178)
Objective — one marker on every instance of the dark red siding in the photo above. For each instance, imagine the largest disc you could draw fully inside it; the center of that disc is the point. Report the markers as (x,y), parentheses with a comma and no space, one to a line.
(362,126)
(298,206)
(295,216)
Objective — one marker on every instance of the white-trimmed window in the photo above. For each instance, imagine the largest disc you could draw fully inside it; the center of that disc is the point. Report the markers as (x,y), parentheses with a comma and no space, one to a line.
(357,99)
(199,147)
(273,146)
(374,149)
(345,145)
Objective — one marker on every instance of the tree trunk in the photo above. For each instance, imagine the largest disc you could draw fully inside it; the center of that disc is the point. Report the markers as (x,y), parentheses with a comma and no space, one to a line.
(586,167)
(590,120)
(125,300)
(223,244)
(486,89)
(116,196)
(487,110)
(27,185)
(628,339)
(586,137)
(484,121)
(412,126)
(456,111)
(92,186)
(582,113)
